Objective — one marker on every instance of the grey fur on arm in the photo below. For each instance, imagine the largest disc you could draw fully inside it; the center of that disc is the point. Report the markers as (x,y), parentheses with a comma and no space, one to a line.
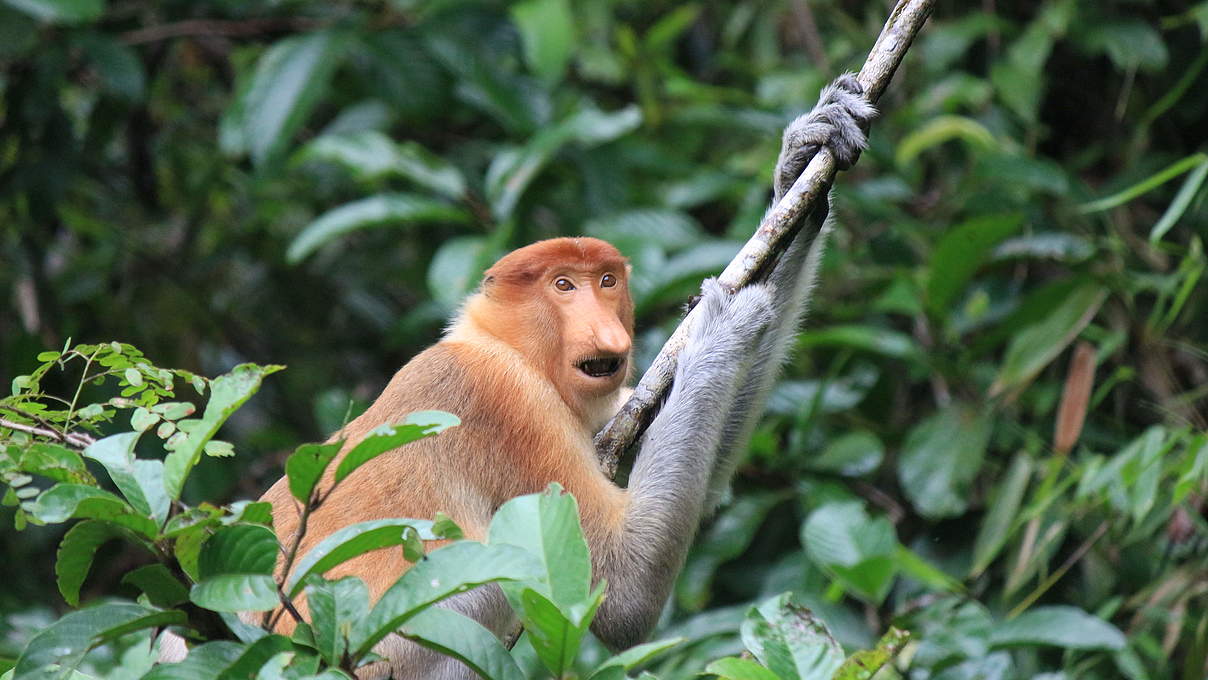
(669,480)
(838,121)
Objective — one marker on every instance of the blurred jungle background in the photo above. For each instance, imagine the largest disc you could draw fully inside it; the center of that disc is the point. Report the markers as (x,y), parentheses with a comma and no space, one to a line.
(992,432)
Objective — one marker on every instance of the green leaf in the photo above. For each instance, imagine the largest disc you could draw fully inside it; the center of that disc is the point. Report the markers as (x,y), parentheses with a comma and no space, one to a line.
(547,29)
(383,438)
(851,454)
(140,481)
(61,11)
(940,459)
(447,571)
(65,641)
(958,255)
(227,393)
(883,341)
(854,548)
(555,634)
(75,555)
(335,607)
(456,268)
(727,537)
(305,466)
(1057,626)
(160,586)
(205,662)
(863,665)
(670,230)
(462,638)
(939,130)
(235,570)
(371,156)
(239,549)
(1004,509)
(735,668)
(635,656)
(790,640)
(1035,346)
(1185,164)
(352,541)
(248,664)
(513,170)
(55,462)
(62,502)
(1182,200)
(547,525)
(290,78)
(236,593)
(381,210)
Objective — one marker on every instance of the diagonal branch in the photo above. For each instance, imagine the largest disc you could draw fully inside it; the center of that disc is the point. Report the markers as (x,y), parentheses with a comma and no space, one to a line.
(773,236)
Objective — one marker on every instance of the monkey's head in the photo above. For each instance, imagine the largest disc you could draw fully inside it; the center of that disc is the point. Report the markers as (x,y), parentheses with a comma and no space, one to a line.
(565,304)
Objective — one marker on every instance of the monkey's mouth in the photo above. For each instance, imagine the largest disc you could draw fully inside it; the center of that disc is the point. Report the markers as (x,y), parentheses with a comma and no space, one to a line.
(600,367)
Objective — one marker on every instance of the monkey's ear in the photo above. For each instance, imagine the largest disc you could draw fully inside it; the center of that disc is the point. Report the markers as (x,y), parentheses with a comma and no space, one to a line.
(488,282)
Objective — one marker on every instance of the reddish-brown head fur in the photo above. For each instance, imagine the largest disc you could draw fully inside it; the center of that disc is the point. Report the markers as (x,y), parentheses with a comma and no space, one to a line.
(564,303)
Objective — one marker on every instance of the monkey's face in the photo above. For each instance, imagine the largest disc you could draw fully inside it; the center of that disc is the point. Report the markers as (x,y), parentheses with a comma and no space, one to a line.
(595,318)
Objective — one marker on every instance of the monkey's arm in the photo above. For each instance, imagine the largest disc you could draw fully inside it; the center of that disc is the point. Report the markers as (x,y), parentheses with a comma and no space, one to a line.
(641,558)
(837,122)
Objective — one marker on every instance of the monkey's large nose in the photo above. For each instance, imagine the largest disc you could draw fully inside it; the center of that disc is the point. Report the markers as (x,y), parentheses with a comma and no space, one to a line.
(611,338)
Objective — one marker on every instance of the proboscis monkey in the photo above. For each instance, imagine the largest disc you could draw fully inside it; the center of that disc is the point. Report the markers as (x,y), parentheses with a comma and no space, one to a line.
(534,364)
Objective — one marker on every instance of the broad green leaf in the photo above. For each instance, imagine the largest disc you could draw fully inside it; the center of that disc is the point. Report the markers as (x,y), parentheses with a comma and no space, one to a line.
(635,656)
(735,668)
(254,656)
(290,78)
(415,426)
(547,29)
(554,634)
(236,593)
(160,586)
(55,462)
(863,665)
(335,607)
(60,11)
(513,170)
(227,393)
(62,502)
(352,541)
(65,641)
(371,156)
(1057,626)
(851,454)
(235,570)
(854,548)
(791,641)
(547,525)
(1004,509)
(140,481)
(939,130)
(958,255)
(670,230)
(456,268)
(239,549)
(883,341)
(76,552)
(1034,347)
(205,662)
(447,571)
(306,465)
(465,639)
(940,459)
(382,210)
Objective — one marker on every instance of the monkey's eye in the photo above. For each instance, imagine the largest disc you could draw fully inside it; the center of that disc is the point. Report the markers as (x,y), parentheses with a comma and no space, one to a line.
(564,284)
(608,281)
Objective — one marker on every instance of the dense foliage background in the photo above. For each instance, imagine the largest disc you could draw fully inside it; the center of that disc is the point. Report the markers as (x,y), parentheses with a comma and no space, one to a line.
(1004,376)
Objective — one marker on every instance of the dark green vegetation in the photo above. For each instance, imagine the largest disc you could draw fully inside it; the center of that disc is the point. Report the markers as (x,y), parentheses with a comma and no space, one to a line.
(317,183)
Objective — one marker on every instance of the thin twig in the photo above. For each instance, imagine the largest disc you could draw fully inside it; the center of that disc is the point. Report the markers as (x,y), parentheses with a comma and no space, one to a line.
(209,27)
(773,236)
(76,440)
